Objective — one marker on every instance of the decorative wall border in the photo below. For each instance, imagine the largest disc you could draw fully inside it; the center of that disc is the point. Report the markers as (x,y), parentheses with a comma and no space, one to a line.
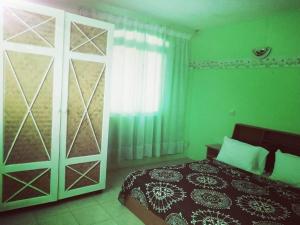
(245,63)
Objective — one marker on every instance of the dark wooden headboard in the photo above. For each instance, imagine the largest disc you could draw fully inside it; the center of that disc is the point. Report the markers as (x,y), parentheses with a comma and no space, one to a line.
(268,139)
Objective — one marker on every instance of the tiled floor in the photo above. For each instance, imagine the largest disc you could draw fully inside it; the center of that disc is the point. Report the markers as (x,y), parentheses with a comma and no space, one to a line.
(92,209)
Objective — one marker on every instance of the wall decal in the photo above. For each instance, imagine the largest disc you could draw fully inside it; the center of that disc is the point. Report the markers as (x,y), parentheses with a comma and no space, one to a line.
(245,63)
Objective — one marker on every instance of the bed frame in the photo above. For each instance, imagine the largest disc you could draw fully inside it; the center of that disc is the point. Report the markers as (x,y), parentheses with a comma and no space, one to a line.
(267,138)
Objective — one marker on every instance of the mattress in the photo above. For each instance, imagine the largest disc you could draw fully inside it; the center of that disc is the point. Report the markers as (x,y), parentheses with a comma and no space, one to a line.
(212,193)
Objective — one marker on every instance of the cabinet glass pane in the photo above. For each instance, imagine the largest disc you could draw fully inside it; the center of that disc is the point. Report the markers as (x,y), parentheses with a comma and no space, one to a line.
(86,39)
(27,107)
(26,184)
(82,175)
(28,28)
(85,108)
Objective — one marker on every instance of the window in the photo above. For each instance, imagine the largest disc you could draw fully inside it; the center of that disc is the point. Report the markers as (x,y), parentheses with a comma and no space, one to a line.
(136,73)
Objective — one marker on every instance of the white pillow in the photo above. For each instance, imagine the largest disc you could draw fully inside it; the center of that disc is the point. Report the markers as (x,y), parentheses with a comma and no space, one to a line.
(244,156)
(286,168)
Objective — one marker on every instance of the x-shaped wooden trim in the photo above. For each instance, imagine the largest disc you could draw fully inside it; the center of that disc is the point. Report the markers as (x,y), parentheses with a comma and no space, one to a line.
(86,107)
(27,184)
(29,107)
(89,40)
(83,175)
(30,28)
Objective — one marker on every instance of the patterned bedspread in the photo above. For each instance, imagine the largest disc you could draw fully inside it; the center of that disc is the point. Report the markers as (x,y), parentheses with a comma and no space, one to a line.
(209,192)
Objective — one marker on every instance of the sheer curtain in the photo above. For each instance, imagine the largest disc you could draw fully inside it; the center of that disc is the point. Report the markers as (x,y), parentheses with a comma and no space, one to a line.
(148,84)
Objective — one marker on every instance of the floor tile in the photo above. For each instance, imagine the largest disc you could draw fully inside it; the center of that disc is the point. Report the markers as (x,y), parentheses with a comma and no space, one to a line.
(49,210)
(19,218)
(80,202)
(128,218)
(107,222)
(90,215)
(114,208)
(107,195)
(61,219)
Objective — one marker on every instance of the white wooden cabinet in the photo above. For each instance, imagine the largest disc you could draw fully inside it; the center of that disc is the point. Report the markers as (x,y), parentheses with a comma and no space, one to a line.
(53,104)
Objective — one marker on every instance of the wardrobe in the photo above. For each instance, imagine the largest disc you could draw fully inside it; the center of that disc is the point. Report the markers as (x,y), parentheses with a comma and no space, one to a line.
(53,104)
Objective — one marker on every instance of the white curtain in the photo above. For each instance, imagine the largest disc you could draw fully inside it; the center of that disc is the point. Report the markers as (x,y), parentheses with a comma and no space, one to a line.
(148,84)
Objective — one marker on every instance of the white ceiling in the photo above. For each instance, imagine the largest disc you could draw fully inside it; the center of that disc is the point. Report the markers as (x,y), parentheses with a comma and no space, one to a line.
(191,14)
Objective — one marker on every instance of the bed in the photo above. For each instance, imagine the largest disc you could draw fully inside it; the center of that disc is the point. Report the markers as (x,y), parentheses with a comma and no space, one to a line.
(213,193)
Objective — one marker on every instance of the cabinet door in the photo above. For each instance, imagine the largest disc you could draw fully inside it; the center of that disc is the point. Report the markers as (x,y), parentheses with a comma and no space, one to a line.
(84,121)
(30,63)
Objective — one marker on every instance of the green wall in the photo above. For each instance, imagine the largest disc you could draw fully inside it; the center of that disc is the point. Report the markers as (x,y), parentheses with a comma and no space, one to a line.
(219,98)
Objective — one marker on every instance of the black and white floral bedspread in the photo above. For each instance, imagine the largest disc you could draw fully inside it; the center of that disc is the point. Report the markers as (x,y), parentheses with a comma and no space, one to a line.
(209,192)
